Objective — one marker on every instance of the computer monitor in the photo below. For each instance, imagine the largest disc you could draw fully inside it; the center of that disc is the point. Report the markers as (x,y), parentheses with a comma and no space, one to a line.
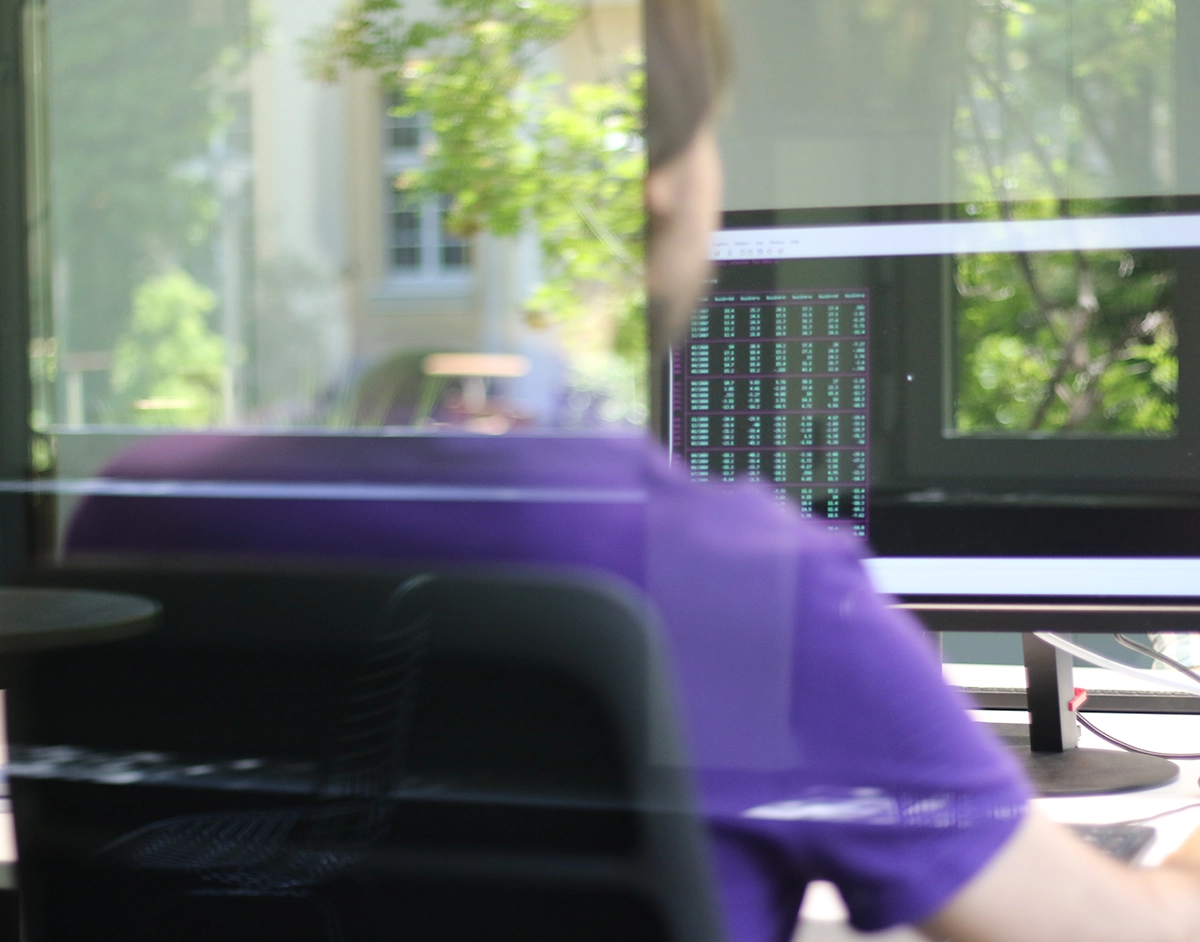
(961,383)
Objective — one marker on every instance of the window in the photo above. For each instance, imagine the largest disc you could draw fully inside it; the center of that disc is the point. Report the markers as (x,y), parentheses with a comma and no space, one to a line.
(232,251)
(419,244)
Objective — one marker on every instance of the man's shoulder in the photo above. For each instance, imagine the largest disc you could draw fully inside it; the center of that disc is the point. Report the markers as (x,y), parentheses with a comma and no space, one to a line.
(591,470)
(552,459)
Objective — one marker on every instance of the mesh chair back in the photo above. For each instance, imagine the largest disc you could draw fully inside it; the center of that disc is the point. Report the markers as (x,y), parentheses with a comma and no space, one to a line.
(368,749)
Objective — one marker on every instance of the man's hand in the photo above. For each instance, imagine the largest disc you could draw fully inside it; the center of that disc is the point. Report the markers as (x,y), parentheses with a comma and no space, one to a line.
(1047,885)
(1187,857)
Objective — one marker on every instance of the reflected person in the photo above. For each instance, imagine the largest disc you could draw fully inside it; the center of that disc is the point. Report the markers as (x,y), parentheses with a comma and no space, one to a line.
(1004,873)
(824,742)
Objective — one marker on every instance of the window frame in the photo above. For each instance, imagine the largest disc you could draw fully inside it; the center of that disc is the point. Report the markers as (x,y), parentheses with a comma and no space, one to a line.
(431,275)
(15,296)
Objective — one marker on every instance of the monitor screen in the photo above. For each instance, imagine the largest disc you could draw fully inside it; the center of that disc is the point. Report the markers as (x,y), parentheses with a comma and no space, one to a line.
(773,385)
(957,380)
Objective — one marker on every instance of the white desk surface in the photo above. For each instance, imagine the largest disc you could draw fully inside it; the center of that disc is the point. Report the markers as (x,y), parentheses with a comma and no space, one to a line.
(823,915)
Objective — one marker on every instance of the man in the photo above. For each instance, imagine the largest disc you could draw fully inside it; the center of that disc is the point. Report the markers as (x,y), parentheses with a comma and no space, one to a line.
(824,741)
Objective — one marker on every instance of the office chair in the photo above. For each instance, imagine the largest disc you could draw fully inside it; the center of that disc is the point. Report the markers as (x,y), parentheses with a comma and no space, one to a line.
(502,763)
(290,852)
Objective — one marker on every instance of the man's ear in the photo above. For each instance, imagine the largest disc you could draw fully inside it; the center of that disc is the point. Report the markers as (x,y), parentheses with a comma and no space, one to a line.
(661,189)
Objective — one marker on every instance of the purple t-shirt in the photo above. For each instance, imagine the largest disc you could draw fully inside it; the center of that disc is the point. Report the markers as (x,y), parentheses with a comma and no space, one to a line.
(825,743)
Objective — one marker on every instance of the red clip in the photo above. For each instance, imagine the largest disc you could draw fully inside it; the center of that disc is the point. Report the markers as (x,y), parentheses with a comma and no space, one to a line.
(1078,700)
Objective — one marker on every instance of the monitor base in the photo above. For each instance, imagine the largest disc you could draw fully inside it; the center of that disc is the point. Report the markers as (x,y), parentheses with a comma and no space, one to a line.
(1085,771)
(1095,771)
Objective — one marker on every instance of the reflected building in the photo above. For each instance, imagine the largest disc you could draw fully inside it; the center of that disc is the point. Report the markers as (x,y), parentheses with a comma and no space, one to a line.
(274,194)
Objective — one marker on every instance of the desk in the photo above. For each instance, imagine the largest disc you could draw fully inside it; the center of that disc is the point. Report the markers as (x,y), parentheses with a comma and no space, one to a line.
(823,916)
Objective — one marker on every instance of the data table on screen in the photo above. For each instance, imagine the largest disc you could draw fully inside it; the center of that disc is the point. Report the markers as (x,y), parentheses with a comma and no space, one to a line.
(773,387)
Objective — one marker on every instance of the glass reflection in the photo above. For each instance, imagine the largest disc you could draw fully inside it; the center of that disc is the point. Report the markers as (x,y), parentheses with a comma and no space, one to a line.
(1067,98)
(254,226)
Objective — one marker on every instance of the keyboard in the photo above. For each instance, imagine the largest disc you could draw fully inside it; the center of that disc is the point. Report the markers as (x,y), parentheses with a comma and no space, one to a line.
(1123,841)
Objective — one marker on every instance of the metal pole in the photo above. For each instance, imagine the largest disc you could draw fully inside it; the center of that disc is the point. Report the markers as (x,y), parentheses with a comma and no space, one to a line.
(1048,670)
(15,395)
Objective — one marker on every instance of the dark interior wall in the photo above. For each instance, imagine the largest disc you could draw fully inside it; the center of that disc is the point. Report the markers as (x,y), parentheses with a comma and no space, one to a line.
(14,290)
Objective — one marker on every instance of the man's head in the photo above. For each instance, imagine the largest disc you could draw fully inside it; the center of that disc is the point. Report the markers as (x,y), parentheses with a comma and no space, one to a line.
(687,67)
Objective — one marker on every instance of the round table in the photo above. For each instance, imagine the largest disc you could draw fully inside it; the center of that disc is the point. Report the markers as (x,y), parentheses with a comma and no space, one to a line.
(37,619)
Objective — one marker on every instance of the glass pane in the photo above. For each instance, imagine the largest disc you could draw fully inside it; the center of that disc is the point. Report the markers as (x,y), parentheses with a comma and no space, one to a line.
(937,101)
(222,251)
(455,252)
(403,130)
(1081,343)
(406,232)
(150,198)
(1068,98)
(230,251)
(1014,187)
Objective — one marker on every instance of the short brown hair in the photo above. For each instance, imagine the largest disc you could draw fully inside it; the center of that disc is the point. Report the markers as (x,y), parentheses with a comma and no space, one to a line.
(687,68)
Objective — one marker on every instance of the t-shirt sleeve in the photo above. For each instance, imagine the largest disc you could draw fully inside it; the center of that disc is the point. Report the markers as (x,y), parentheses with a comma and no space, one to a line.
(899,798)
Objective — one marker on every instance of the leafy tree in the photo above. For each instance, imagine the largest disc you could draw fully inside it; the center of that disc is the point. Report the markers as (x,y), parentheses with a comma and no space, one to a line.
(1068,342)
(515,146)
(135,92)
(167,369)
(1069,98)
(1065,102)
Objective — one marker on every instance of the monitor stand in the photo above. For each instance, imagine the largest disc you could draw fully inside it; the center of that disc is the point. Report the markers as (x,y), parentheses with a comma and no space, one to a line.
(1053,761)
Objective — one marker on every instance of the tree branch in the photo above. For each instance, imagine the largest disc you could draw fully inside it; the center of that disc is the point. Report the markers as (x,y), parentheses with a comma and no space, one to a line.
(1035,291)
(1086,307)
(1019,117)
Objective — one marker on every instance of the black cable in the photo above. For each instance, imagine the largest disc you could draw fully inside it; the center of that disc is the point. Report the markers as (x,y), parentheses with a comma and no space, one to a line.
(1161,814)
(1088,724)
(1157,656)
(1084,721)
(1162,659)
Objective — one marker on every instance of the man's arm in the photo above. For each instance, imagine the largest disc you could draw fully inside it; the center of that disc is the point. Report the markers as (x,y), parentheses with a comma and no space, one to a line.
(1046,885)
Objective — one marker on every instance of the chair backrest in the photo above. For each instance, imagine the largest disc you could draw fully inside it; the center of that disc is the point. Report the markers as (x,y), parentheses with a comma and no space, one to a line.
(543,734)
(525,748)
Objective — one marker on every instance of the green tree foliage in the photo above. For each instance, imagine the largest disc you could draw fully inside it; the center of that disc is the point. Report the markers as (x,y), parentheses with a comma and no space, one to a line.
(1067,102)
(168,367)
(1069,97)
(515,146)
(135,92)
(1092,351)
